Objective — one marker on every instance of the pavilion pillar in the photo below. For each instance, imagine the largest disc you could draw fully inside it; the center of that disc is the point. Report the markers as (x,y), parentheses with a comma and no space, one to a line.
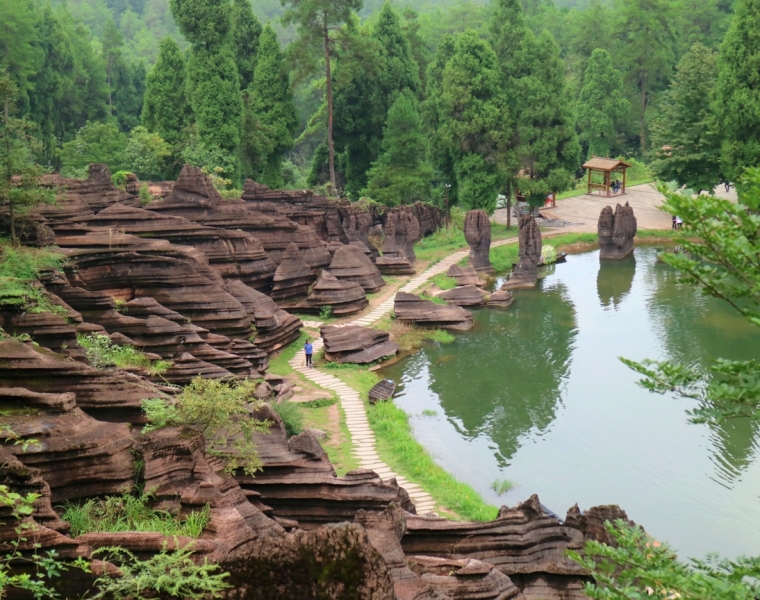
(624,170)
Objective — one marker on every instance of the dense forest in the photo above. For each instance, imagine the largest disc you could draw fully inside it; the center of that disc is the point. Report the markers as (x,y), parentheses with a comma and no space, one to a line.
(397,102)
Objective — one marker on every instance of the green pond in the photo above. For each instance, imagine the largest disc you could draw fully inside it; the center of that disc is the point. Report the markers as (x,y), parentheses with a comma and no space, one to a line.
(536,395)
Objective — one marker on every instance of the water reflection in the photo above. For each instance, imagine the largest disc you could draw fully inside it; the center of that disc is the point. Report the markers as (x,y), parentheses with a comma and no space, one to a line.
(614,281)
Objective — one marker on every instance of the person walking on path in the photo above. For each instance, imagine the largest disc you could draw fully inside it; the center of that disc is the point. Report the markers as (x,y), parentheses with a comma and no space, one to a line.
(308,350)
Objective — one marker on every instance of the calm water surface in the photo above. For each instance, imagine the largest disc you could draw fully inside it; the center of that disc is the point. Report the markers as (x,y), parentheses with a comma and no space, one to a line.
(535,394)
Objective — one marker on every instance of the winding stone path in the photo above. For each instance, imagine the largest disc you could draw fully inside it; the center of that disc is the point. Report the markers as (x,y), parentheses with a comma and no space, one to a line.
(362,436)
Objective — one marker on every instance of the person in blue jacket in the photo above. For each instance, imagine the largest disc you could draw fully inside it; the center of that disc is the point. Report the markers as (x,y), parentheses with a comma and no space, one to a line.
(308,349)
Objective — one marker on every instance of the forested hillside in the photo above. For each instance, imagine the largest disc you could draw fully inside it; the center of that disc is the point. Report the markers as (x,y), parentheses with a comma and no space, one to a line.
(388,100)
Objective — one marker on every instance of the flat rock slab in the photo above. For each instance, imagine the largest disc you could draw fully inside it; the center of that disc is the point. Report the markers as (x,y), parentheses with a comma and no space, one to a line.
(414,309)
(356,344)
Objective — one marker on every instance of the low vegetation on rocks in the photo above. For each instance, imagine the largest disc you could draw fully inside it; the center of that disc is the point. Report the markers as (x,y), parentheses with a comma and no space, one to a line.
(101,353)
(19,268)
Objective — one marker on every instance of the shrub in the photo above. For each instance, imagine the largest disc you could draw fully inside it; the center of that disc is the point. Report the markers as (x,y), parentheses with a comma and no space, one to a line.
(131,513)
(291,416)
(221,411)
(19,268)
(325,312)
(145,197)
(101,352)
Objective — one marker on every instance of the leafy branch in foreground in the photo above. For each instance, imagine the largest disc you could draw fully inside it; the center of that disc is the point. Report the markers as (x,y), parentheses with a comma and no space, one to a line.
(639,567)
(222,412)
(725,263)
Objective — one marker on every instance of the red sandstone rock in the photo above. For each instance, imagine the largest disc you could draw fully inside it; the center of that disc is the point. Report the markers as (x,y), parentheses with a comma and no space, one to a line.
(355,344)
(464,275)
(343,297)
(465,295)
(293,277)
(616,231)
(413,309)
(350,264)
(477,232)
(525,274)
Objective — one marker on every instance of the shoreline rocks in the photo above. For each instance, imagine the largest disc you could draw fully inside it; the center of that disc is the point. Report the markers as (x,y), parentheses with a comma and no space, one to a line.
(616,232)
(413,309)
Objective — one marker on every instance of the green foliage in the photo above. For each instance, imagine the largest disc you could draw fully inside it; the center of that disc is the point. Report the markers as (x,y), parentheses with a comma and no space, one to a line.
(204,23)
(325,312)
(441,336)
(94,143)
(19,185)
(637,566)
(401,175)
(601,105)
(19,55)
(738,97)
(144,193)
(131,513)
(173,574)
(474,122)
(321,403)
(146,153)
(219,410)
(102,353)
(684,132)
(19,267)
(429,412)
(548,254)
(444,282)
(502,486)
(244,37)
(404,454)
(723,264)
(291,415)
(270,116)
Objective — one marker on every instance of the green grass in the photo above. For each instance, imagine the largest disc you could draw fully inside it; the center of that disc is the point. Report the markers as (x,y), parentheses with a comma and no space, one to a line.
(444,282)
(101,352)
(433,299)
(292,416)
(398,448)
(317,414)
(131,513)
(278,364)
(19,269)
(502,257)
(502,486)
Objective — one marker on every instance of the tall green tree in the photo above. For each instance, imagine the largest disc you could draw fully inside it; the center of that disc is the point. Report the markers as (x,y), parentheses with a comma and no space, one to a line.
(146,153)
(647,42)
(738,95)
(166,110)
(19,181)
(369,96)
(549,151)
(94,143)
(19,56)
(316,22)
(601,104)
(401,175)
(474,122)
(507,30)
(213,82)
(244,37)
(270,114)
(684,132)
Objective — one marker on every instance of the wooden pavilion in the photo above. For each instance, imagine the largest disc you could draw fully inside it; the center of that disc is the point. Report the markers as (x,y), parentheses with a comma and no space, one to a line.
(605,167)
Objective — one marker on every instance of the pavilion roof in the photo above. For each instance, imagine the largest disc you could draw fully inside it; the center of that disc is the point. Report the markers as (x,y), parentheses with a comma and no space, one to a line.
(605,164)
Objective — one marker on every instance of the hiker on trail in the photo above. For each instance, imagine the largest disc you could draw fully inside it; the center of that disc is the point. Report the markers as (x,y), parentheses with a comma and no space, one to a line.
(679,222)
(728,186)
(308,349)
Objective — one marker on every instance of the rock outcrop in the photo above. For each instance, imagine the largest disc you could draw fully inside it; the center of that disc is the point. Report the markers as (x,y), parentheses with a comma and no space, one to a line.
(343,297)
(464,275)
(355,344)
(477,232)
(616,232)
(465,295)
(293,277)
(525,274)
(402,230)
(351,264)
(413,309)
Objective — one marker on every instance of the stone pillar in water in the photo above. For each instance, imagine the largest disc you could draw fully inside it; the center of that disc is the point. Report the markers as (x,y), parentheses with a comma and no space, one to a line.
(525,274)
(477,232)
(616,232)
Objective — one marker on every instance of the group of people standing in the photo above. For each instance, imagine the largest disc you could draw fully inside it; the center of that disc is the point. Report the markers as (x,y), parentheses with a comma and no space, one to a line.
(677,222)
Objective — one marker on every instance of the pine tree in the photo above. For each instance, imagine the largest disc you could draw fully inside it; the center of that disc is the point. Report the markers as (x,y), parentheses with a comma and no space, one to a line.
(402,174)
(244,37)
(165,107)
(507,30)
(474,123)
(738,96)
(684,132)
(316,21)
(270,114)
(601,104)
(18,55)
(549,151)
(212,77)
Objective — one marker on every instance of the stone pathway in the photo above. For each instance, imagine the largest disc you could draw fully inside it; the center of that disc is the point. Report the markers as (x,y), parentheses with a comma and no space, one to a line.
(362,436)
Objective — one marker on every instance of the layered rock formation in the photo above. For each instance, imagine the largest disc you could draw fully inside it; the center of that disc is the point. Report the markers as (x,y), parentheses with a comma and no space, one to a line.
(525,274)
(465,295)
(355,344)
(464,275)
(343,297)
(616,232)
(477,232)
(402,230)
(413,309)
(293,277)
(351,264)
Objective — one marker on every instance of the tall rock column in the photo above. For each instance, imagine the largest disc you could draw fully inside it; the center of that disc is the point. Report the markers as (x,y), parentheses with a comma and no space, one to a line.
(477,232)
(616,232)
(525,274)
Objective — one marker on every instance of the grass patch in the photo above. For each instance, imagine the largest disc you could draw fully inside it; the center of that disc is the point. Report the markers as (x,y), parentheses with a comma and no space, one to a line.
(502,486)
(278,364)
(321,403)
(101,353)
(19,269)
(444,282)
(429,413)
(433,299)
(338,442)
(503,257)
(131,513)
(292,416)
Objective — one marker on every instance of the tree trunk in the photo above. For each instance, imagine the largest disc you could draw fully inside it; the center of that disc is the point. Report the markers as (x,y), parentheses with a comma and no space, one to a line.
(328,76)
(642,120)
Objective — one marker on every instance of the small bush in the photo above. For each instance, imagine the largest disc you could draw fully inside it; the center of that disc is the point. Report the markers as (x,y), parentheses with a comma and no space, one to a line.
(325,312)
(145,197)
(131,513)
(221,411)
(101,353)
(291,415)
(19,269)
(441,336)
